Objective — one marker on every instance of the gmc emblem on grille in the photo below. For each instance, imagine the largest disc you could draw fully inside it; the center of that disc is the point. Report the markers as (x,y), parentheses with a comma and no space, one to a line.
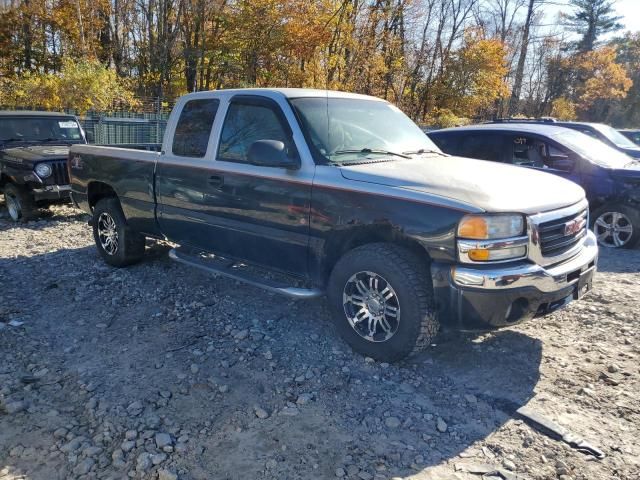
(574,226)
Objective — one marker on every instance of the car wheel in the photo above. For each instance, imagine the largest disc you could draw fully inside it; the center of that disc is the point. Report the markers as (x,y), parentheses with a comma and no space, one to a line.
(617,226)
(382,301)
(117,244)
(19,202)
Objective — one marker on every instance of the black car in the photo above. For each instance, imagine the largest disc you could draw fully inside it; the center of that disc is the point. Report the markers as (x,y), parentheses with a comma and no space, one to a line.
(602,132)
(610,178)
(633,135)
(34,147)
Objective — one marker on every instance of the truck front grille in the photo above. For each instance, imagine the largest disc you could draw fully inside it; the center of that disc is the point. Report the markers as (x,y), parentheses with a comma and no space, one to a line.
(60,174)
(561,235)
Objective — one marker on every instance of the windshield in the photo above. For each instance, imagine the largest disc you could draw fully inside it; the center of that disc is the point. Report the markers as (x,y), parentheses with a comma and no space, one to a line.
(348,129)
(615,136)
(40,129)
(593,150)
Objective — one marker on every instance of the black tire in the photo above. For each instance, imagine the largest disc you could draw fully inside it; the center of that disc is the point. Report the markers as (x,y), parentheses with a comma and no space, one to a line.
(129,245)
(630,219)
(19,202)
(409,277)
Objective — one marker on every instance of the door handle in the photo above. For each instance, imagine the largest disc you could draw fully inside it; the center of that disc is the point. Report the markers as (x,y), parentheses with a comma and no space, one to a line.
(216,181)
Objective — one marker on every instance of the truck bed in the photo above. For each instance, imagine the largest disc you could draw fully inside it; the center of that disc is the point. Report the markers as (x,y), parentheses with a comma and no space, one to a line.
(128,171)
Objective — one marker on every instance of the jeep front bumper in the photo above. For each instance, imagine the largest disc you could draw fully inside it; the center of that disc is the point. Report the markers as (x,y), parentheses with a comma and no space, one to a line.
(52,192)
(481,297)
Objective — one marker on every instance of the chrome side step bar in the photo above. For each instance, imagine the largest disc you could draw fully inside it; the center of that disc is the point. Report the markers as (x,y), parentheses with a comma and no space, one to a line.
(229,269)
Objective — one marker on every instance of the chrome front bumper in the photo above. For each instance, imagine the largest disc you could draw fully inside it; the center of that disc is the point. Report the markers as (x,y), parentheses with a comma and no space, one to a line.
(473,296)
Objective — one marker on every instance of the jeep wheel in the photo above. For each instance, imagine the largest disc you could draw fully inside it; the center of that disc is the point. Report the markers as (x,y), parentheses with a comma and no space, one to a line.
(117,243)
(382,301)
(19,202)
(617,226)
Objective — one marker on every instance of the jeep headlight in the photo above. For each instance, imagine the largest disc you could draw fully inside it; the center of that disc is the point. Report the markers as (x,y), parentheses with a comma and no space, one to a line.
(491,238)
(43,170)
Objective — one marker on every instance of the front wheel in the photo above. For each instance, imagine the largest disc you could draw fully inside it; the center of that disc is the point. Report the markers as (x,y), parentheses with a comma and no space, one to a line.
(117,243)
(19,202)
(617,226)
(382,301)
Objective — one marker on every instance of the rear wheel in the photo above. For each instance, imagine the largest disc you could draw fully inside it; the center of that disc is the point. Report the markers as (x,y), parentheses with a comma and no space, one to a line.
(19,202)
(117,243)
(382,301)
(617,226)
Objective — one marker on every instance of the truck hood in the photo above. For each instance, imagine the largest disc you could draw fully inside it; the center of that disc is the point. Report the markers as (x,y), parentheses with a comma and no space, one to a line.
(493,187)
(35,153)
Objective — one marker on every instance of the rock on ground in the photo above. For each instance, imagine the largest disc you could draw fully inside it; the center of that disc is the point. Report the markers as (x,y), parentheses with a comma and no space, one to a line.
(155,371)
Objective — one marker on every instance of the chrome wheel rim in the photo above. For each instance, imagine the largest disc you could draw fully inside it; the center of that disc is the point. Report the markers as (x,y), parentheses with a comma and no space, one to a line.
(371,306)
(613,229)
(12,207)
(108,233)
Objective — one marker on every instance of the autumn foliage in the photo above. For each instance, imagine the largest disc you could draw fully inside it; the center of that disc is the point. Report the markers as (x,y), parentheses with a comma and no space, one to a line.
(442,61)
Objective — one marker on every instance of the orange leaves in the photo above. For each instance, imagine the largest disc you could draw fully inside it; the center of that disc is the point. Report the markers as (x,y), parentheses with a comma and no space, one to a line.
(600,77)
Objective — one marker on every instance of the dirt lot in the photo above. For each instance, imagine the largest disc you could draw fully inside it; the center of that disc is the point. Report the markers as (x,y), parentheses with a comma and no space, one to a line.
(159,371)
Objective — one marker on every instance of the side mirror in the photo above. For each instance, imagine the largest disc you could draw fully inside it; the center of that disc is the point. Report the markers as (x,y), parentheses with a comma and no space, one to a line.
(90,137)
(271,153)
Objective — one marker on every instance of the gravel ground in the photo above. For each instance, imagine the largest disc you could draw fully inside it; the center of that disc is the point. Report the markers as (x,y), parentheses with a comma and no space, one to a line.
(159,371)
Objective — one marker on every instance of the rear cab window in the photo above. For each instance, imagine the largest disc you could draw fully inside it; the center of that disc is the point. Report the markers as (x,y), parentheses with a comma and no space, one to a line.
(193,129)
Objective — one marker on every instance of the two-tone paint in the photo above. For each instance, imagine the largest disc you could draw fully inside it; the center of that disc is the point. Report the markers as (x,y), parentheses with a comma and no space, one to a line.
(301,220)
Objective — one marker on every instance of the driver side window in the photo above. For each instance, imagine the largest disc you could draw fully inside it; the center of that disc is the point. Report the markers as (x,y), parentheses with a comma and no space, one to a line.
(245,124)
(534,152)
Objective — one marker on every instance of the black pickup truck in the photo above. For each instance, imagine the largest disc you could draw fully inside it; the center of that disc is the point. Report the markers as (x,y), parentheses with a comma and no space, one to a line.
(342,194)
(34,147)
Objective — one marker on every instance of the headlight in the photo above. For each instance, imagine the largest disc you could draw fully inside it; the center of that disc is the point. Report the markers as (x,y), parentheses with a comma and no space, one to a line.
(487,227)
(492,238)
(43,170)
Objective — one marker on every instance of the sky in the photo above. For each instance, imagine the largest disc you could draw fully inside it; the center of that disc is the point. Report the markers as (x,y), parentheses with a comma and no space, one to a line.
(629,10)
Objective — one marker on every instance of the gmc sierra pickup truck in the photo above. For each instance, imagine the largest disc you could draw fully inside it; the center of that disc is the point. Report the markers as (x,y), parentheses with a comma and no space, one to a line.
(34,147)
(307,192)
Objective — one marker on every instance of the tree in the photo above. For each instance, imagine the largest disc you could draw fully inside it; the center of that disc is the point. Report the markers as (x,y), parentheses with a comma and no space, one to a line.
(626,112)
(473,78)
(599,81)
(563,109)
(524,48)
(591,19)
(81,85)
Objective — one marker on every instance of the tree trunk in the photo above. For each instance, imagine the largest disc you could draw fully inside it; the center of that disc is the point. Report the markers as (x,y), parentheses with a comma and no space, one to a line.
(524,47)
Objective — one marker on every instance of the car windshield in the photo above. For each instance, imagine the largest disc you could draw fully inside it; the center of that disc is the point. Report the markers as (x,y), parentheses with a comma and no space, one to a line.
(593,150)
(615,136)
(346,129)
(40,129)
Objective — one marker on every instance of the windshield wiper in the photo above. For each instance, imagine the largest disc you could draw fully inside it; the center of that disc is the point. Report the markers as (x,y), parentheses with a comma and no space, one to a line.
(371,150)
(421,151)
(51,139)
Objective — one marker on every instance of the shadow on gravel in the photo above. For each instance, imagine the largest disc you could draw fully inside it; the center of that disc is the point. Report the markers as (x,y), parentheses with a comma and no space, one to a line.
(217,350)
(619,260)
(41,220)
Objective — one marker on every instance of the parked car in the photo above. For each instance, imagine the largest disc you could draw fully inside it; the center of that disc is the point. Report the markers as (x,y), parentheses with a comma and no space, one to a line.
(610,178)
(602,132)
(34,147)
(342,194)
(633,135)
